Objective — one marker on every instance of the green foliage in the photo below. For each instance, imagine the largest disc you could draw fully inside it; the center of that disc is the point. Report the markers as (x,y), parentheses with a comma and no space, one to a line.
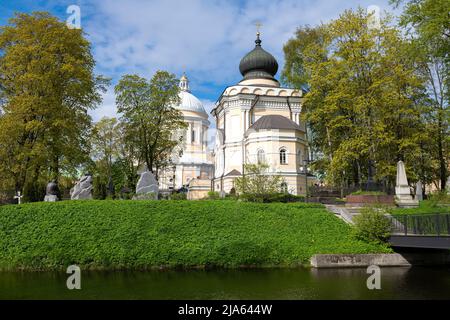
(178,196)
(144,234)
(425,207)
(365,102)
(213,195)
(438,198)
(47,85)
(372,225)
(271,197)
(257,184)
(99,191)
(427,24)
(150,119)
(368,193)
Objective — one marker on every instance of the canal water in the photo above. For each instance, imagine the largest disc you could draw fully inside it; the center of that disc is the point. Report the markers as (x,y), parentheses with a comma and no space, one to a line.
(396,283)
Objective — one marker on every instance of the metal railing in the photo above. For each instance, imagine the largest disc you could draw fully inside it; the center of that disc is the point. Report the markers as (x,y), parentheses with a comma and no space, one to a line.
(437,224)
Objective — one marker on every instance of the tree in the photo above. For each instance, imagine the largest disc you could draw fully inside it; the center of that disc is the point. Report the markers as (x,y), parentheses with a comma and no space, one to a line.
(258,184)
(150,117)
(47,85)
(427,23)
(105,141)
(364,100)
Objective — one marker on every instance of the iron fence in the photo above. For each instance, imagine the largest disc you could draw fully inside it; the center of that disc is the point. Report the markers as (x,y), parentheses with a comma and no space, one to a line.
(421,225)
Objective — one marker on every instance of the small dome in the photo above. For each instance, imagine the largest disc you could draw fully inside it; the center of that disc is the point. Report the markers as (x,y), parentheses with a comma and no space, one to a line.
(189,102)
(258,64)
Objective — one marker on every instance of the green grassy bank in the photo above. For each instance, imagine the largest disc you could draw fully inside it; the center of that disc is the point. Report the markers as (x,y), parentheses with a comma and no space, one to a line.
(425,207)
(144,234)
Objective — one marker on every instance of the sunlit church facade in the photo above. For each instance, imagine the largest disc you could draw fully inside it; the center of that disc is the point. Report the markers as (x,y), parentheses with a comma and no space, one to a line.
(257,121)
(192,171)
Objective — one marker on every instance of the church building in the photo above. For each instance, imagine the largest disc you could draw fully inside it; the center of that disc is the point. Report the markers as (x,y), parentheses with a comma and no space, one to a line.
(192,171)
(258,121)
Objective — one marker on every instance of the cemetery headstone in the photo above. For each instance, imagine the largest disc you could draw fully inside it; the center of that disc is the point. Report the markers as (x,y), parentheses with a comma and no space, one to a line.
(419,191)
(52,192)
(83,189)
(147,187)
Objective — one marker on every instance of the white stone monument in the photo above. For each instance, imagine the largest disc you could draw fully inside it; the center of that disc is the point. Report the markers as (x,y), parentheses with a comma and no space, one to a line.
(83,189)
(403,196)
(147,187)
(419,191)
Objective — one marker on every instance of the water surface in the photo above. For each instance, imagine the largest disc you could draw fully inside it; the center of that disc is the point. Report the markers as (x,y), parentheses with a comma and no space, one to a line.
(396,283)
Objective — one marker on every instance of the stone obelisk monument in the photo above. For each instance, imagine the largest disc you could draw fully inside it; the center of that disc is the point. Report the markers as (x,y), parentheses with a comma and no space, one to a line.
(403,196)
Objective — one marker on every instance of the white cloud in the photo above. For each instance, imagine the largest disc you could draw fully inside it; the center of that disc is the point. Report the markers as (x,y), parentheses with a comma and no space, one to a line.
(206,38)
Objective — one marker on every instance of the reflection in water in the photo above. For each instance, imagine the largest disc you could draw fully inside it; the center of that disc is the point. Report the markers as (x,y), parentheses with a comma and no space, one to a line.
(396,283)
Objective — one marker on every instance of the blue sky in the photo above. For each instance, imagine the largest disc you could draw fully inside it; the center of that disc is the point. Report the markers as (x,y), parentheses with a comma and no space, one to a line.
(206,38)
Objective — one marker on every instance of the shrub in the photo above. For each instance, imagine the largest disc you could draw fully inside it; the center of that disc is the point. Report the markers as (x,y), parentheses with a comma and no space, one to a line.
(439,198)
(258,182)
(368,193)
(271,197)
(213,195)
(178,196)
(372,225)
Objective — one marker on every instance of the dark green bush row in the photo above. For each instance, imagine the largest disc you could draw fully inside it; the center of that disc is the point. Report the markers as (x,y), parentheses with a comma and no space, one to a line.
(272,197)
(142,234)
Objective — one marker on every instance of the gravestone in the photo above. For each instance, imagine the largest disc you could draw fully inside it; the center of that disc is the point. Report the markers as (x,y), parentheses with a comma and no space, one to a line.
(19,197)
(419,191)
(147,187)
(83,189)
(52,192)
(403,196)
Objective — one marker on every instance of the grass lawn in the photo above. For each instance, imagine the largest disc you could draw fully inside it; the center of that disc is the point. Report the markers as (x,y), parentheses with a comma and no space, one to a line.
(425,207)
(145,234)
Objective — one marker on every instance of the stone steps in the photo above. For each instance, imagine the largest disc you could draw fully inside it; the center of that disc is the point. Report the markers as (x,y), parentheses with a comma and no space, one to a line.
(345,213)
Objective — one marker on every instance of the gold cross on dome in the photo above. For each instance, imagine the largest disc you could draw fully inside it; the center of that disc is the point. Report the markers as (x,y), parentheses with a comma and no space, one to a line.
(258,25)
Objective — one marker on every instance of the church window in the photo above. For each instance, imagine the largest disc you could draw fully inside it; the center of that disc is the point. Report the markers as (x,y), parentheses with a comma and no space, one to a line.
(299,157)
(261,156)
(193,136)
(284,187)
(283,156)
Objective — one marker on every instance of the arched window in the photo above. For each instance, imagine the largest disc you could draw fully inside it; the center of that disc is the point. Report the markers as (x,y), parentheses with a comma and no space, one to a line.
(261,156)
(284,187)
(283,156)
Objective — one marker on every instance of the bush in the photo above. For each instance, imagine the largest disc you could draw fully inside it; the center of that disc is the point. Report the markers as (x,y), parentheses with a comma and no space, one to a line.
(178,196)
(271,197)
(368,193)
(439,198)
(213,195)
(372,225)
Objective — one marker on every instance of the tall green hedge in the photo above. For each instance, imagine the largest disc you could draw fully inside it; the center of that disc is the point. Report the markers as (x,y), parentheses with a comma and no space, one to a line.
(141,234)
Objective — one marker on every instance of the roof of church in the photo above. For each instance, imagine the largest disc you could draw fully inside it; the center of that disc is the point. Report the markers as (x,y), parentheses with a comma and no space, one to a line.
(275,121)
(233,172)
(188,101)
(258,63)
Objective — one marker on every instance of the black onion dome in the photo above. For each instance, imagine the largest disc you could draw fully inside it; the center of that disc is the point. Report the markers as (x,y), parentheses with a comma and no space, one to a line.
(258,64)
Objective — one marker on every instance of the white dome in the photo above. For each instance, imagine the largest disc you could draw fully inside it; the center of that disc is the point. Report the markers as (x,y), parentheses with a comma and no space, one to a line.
(189,102)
